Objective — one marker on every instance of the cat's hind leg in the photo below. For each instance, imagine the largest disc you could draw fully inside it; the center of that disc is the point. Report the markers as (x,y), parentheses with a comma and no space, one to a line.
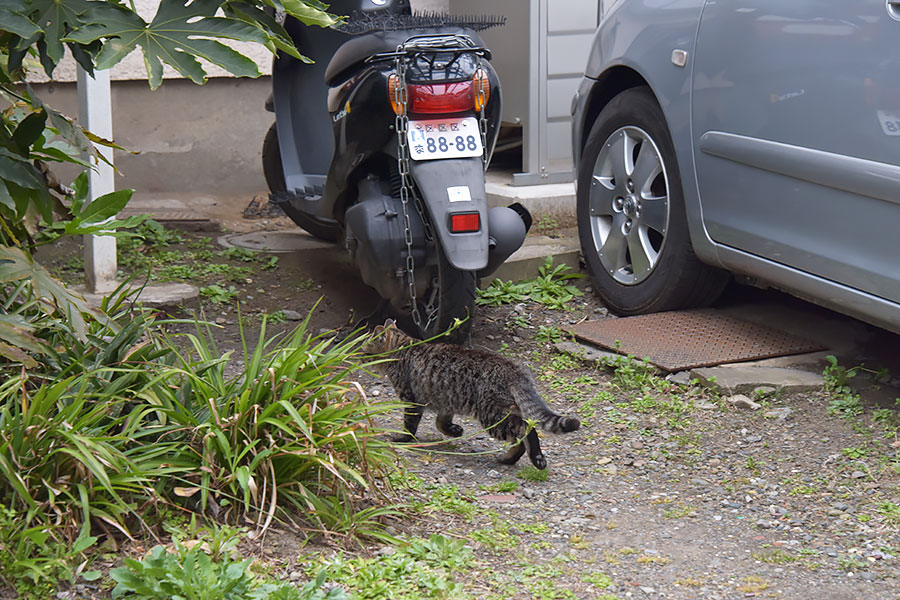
(512,455)
(445,425)
(412,415)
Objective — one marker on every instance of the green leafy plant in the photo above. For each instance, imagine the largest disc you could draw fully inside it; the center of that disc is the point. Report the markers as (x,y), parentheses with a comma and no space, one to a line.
(217,294)
(191,574)
(549,334)
(549,288)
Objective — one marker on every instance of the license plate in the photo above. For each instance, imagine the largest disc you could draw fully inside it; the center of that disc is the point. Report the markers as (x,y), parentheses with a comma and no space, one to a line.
(890,122)
(444,138)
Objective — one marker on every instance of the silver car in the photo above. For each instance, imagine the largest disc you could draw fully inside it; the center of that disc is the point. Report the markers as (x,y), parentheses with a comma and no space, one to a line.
(760,138)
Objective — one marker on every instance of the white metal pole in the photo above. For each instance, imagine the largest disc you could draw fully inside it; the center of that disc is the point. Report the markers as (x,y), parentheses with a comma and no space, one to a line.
(95,115)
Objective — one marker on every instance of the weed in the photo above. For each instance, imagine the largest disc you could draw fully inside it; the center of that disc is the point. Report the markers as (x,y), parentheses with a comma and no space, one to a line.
(446,498)
(270,263)
(890,512)
(549,334)
(753,585)
(418,569)
(649,559)
(192,573)
(855,453)
(689,581)
(502,487)
(845,406)
(679,511)
(597,579)
(546,223)
(236,253)
(774,556)
(531,473)
(276,317)
(549,288)
(852,563)
(218,294)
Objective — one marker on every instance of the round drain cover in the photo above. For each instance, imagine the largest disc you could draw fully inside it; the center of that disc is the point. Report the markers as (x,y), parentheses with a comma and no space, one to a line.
(273,241)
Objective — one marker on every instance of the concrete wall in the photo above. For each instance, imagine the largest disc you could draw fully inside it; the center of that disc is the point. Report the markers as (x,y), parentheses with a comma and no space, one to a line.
(189,138)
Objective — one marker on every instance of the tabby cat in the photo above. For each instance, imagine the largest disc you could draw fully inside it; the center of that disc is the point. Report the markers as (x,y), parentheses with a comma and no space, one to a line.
(450,379)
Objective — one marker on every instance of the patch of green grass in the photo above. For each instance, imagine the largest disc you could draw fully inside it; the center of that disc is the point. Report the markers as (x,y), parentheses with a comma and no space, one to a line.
(531,473)
(852,563)
(504,486)
(446,498)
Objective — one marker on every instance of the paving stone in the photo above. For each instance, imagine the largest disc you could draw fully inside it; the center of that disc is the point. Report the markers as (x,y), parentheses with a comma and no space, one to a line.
(746,379)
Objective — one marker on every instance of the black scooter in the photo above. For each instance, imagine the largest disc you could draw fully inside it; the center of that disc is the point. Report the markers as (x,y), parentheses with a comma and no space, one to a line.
(413,113)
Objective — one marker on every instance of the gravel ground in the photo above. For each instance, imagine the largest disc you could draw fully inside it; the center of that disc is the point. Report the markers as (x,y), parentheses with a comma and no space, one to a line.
(667,491)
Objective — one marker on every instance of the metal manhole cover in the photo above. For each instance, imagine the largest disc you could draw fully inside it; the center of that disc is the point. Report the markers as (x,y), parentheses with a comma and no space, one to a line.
(680,340)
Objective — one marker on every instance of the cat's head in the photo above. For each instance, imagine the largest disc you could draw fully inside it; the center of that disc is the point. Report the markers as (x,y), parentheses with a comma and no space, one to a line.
(385,338)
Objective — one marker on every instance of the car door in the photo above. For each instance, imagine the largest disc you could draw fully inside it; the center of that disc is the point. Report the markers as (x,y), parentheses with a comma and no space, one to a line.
(796,131)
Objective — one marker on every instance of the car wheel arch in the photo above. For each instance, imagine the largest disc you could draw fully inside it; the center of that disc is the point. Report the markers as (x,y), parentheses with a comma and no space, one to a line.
(609,84)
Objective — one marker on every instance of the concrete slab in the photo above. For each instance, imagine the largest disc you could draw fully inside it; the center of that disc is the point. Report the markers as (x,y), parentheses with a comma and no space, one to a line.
(738,380)
(527,260)
(157,295)
(556,200)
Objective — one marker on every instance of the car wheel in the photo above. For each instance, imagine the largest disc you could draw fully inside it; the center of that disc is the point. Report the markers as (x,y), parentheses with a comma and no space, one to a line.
(324,229)
(631,219)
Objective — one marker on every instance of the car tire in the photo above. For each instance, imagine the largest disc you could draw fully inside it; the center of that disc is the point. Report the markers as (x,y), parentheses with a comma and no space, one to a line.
(273,171)
(632,223)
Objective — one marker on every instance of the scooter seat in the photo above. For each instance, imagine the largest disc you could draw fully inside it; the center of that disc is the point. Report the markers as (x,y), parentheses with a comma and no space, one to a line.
(351,54)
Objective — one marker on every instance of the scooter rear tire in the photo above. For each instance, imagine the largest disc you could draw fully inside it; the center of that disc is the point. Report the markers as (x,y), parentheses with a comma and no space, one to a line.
(273,171)
(456,300)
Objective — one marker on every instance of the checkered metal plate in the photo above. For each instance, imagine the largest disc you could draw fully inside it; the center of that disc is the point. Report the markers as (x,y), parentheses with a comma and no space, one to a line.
(679,340)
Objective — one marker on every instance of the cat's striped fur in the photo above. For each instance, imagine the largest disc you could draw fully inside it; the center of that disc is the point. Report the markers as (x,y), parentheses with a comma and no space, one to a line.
(450,379)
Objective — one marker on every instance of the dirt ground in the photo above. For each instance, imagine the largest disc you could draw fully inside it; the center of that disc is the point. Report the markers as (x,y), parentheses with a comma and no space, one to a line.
(665,491)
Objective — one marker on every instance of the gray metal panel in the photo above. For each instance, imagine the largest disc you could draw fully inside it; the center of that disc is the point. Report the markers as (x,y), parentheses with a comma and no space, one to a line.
(568,53)
(567,15)
(560,92)
(559,143)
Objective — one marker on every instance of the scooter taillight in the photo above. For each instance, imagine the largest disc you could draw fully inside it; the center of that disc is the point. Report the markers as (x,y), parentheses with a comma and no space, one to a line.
(443,98)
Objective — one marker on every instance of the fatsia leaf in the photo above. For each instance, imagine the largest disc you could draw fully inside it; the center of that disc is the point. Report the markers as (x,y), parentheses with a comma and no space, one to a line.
(17,332)
(308,13)
(15,266)
(178,33)
(56,18)
(17,23)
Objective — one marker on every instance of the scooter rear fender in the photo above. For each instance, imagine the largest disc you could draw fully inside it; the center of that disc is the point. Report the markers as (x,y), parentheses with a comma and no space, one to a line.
(455,186)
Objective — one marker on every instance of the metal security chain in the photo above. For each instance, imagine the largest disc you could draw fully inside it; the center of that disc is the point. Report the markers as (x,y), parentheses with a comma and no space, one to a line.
(401,123)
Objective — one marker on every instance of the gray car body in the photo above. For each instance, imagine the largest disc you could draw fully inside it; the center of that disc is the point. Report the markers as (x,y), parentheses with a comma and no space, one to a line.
(783,121)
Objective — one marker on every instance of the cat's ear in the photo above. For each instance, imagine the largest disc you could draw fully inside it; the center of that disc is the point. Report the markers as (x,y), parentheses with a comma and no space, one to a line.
(389,323)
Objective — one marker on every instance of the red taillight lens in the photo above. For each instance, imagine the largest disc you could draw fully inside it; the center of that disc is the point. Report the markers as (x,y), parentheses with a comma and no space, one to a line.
(441,98)
(464,222)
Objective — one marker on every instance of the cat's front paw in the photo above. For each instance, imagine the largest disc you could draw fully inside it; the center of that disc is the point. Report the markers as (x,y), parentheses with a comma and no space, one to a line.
(539,461)
(402,438)
(453,430)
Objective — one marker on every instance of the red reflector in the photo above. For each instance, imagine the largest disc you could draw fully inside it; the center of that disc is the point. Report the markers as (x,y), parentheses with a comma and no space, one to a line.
(440,98)
(464,222)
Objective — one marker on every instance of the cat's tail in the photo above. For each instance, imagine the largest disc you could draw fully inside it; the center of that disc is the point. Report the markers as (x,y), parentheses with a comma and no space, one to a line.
(534,408)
